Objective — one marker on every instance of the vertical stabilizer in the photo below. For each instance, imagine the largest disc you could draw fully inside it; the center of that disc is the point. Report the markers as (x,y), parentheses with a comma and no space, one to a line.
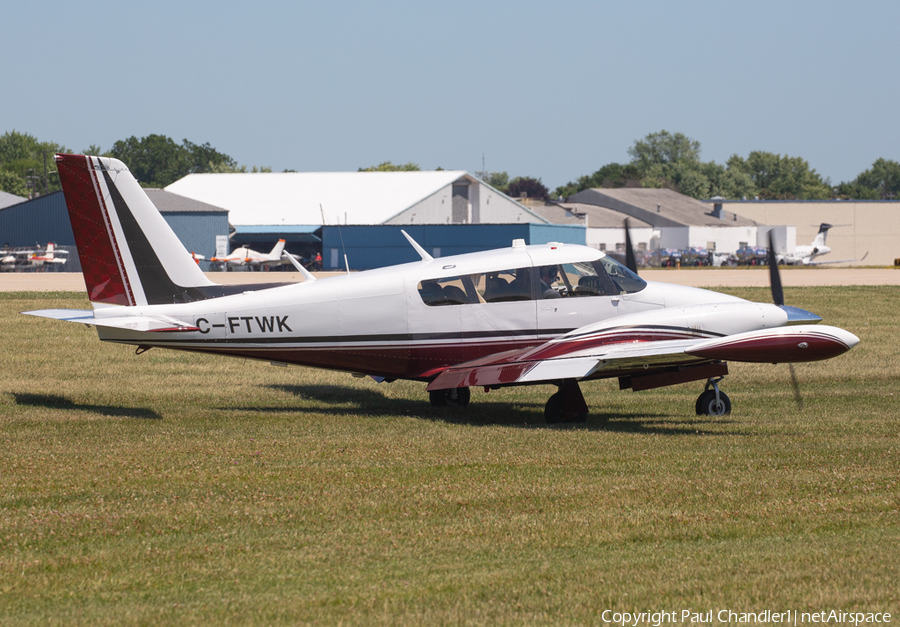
(129,254)
(277,250)
(819,242)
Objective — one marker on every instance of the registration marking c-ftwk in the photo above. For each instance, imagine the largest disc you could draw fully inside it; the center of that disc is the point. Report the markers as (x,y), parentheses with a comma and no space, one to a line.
(265,324)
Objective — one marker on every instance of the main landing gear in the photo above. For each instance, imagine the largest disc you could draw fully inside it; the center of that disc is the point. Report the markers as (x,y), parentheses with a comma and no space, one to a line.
(713,402)
(567,405)
(456,397)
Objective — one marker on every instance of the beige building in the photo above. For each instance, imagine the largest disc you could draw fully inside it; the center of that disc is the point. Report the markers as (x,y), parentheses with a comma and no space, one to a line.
(860,227)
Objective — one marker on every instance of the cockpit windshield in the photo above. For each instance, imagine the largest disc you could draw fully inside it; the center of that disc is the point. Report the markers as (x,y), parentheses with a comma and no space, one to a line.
(625,280)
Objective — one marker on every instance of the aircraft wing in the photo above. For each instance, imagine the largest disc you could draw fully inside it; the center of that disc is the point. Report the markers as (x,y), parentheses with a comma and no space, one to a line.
(570,359)
(822,263)
(130,323)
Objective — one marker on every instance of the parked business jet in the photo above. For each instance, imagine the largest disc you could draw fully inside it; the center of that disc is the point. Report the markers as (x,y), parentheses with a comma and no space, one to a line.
(806,255)
(542,314)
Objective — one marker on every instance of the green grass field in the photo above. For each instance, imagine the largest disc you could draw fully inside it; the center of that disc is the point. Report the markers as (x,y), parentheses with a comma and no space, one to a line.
(170,488)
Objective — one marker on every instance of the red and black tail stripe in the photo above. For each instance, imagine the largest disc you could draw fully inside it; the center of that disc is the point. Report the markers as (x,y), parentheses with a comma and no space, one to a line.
(101,257)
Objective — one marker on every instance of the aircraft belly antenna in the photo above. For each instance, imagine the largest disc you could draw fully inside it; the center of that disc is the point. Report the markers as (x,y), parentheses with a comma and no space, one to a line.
(424,255)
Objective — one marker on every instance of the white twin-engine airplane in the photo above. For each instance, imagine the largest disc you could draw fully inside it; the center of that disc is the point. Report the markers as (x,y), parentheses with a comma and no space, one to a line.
(244,256)
(545,314)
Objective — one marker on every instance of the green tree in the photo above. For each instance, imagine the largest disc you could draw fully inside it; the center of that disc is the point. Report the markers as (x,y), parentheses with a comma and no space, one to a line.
(387,166)
(12,183)
(664,148)
(28,164)
(154,160)
(610,175)
(883,179)
(529,186)
(781,177)
(497,180)
(157,161)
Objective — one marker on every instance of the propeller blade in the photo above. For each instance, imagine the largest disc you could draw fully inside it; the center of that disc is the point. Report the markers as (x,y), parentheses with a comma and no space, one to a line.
(797,398)
(630,261)
(774,275)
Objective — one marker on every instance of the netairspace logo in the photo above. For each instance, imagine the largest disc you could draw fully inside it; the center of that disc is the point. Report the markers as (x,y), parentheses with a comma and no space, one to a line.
(765,617)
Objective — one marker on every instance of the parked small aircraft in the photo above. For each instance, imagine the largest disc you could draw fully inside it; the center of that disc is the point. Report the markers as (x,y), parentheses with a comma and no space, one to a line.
(805,255)
(31,258)
(244,256)
(48,256)
(541,314)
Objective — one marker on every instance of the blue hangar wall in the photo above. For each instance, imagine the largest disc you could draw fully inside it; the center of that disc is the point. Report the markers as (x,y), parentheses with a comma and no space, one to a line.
(384,245)
(46,219)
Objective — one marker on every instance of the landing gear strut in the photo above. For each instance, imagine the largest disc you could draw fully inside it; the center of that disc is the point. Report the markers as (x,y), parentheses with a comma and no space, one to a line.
(567,405)
(455,397)
(713,402)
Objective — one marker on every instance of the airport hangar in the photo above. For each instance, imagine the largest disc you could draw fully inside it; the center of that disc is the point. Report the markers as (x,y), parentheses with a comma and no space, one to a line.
(360,214)
(46,219)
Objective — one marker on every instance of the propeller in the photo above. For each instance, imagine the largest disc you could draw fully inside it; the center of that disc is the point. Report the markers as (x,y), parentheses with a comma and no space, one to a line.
(630,261)
(778,299)
(774,275)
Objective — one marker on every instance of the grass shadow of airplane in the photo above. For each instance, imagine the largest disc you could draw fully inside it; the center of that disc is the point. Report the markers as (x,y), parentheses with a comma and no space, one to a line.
(52,401)
(487,412)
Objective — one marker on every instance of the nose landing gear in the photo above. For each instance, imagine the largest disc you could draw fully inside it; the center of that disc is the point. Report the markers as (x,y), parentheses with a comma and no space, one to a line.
(713,402)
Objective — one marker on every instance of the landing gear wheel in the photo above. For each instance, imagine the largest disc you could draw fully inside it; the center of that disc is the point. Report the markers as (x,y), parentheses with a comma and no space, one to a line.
(558,410)
(553,409)
(707,405)
(456,397)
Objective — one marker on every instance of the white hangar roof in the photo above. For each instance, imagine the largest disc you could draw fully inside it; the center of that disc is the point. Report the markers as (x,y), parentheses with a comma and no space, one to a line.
(270,198)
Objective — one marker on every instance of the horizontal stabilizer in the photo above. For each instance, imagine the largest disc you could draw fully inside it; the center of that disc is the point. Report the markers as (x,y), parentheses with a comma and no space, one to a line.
(157,324)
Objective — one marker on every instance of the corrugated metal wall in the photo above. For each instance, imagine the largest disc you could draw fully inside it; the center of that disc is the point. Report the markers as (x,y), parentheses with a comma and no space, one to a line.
(46,219)
(37,221)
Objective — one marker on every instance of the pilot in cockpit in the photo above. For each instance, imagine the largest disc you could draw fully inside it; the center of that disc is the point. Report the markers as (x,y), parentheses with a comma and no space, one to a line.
(549,275)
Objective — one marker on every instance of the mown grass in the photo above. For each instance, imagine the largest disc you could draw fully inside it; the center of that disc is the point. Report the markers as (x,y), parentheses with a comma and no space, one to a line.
(171,488)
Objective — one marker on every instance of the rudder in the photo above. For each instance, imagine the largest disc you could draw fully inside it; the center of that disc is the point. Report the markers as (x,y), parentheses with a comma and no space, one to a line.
(129,254)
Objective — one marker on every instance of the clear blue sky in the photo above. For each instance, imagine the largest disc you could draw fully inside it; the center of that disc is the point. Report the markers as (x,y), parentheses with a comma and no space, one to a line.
(552,90)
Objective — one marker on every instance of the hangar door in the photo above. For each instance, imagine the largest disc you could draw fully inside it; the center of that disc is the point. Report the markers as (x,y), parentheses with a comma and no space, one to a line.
(460,204)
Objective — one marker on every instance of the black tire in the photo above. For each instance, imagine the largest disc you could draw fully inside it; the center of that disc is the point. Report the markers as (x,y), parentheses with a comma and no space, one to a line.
(707,405)
(553,412)
(456,397)
(553,409)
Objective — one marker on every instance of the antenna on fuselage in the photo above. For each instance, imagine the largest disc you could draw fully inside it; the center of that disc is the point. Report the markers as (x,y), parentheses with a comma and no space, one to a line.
(307,275)
(424,255)
(343,248)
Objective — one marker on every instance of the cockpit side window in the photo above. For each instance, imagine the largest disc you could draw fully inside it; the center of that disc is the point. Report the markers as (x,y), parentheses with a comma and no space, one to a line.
(604,277)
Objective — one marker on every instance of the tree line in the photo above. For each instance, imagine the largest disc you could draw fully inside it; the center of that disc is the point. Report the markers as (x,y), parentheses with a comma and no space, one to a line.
(27,167)
(659,160)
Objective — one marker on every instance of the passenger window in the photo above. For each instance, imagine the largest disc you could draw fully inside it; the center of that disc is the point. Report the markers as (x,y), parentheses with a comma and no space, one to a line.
(449,291)
(503,286)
